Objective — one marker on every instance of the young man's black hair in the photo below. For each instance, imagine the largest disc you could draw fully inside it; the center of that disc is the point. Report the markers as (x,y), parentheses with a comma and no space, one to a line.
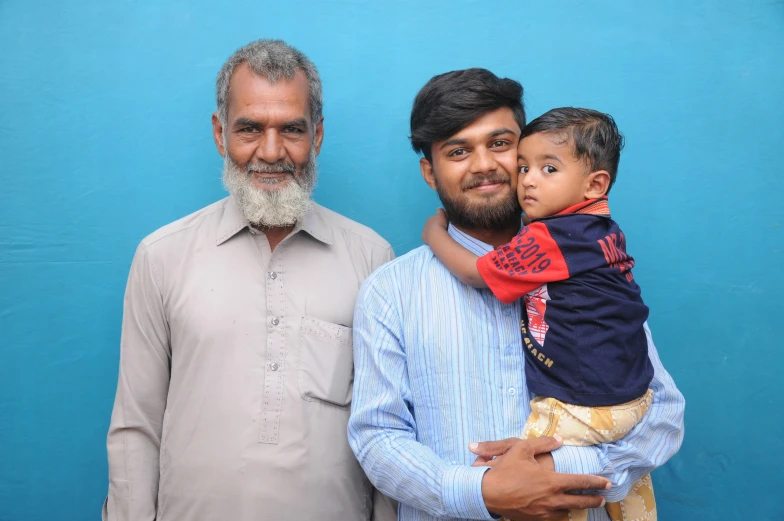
(593,136)
(451,101)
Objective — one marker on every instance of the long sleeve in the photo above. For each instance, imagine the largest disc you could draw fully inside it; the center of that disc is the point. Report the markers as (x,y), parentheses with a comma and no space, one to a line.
(382,428)
(384,507)
(134,439)
(649,445)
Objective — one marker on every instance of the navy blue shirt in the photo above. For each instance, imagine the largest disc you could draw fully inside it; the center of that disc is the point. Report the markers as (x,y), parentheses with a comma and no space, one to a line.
(583,326)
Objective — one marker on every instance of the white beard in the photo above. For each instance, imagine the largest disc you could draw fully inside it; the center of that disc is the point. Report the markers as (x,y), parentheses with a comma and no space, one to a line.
(277,207)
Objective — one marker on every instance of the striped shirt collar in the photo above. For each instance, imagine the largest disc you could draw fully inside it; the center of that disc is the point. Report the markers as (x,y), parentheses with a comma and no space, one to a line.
(472,244)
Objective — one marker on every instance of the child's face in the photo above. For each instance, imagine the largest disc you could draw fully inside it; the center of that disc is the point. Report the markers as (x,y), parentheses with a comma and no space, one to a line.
(551,179)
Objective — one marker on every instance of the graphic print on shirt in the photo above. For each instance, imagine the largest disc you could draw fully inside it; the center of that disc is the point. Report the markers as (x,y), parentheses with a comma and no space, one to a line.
(535,307)
(614,249)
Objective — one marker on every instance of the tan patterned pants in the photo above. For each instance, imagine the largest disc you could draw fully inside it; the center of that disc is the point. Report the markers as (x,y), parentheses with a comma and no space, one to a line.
(582,426)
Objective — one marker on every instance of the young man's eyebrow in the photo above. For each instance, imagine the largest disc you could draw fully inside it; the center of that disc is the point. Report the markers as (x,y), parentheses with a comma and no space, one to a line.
(501,132)
(455,141)
(495,133)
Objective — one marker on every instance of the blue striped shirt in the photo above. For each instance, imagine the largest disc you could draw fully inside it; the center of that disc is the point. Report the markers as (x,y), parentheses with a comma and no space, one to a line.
(438,365)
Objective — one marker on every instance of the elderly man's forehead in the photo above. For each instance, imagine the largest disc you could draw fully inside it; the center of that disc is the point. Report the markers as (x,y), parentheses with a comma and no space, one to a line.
(248,88)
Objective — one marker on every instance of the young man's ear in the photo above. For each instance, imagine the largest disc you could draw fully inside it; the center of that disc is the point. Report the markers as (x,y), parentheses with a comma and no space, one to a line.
(217,134)
(597,184)
(426,167)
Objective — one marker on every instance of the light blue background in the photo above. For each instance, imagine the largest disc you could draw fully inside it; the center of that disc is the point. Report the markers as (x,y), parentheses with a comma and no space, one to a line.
(105,136)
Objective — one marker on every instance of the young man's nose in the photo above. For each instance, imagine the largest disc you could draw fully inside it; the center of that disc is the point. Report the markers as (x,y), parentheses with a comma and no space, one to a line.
(270,147)
(483,162)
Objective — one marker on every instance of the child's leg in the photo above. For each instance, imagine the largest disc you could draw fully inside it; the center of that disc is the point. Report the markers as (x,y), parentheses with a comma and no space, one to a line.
(590,426)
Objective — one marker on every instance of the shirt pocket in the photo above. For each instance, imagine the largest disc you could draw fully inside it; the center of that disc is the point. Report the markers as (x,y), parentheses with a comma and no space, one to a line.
(326,362)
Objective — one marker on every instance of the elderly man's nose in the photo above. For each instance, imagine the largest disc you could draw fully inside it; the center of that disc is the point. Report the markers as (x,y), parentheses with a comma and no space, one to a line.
(270,148)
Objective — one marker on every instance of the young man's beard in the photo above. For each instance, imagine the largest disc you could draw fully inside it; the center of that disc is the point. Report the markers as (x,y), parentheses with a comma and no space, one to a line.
(278,207)
(465,214)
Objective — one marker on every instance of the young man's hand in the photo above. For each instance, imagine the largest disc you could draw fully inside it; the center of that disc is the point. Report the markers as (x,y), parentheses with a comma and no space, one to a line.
(518,487)
(435,223)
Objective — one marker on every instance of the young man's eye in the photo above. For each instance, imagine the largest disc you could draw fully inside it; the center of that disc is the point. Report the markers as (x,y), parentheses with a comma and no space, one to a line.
(548,169)
(458,152)
(498,143)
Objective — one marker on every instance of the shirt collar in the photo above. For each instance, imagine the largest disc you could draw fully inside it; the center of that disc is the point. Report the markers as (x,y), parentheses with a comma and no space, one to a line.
(473,245)
(598,206)
(234,222)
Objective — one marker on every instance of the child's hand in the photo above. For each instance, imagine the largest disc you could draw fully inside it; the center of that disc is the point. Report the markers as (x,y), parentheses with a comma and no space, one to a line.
(434,224)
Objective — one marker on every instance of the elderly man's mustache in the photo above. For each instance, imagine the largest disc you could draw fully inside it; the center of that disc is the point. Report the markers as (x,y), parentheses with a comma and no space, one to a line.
(279,167)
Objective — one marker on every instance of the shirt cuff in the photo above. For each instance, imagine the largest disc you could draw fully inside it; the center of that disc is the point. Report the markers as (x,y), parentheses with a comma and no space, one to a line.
(462,488)
(581,460)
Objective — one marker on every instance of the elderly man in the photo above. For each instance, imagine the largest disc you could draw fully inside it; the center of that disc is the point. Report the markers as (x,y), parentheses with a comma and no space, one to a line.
(440,365)
(236,354)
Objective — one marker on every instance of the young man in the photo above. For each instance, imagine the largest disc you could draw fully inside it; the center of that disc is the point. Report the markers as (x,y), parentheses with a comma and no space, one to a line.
(439,365)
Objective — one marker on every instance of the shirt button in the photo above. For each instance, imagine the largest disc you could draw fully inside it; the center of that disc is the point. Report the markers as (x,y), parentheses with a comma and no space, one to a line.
(275,321)
(511,391)
(273,366)
(273,275)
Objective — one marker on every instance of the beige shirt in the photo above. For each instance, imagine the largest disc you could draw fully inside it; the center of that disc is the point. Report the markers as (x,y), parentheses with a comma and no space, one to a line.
(236,373)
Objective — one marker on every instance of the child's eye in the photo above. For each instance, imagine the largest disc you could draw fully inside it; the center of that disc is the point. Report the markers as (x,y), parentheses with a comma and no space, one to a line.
(548,169)
(523,169)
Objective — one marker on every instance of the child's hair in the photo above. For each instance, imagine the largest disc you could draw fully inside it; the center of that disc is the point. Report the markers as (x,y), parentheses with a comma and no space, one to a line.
(592,135)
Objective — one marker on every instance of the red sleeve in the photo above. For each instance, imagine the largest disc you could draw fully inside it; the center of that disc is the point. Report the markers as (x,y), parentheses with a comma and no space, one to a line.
(532,258)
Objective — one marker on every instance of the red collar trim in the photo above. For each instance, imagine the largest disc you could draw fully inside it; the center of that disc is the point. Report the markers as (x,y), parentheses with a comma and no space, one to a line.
(598,206)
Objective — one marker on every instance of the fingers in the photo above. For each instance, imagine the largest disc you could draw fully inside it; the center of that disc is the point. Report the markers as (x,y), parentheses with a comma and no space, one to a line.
(480,462)
(579,502)
(544,444)
(489,449)
(563,482)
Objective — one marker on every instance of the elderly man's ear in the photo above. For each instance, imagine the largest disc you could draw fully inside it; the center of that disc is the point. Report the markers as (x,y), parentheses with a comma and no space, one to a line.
(217,134)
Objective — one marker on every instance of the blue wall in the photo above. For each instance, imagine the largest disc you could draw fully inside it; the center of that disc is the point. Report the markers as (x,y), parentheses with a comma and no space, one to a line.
(105,136)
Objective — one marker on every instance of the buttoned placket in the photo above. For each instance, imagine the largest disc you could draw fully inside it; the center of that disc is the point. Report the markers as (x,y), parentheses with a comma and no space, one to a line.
(273,395)
(513,389)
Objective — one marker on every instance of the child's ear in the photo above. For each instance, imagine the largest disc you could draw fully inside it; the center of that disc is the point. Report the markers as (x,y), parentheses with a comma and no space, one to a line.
(597,184)
(426,167)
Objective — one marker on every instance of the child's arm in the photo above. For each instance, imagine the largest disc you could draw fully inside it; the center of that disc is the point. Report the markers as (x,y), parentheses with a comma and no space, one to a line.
(458,260)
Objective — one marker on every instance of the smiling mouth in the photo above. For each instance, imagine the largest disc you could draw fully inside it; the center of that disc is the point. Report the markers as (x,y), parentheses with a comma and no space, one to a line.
(487,187)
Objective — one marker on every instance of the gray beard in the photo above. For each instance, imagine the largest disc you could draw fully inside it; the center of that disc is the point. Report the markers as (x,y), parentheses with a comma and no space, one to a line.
(278,207)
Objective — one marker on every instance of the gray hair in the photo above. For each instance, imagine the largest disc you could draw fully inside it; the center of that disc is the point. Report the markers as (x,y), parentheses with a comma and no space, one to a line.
(272,59)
